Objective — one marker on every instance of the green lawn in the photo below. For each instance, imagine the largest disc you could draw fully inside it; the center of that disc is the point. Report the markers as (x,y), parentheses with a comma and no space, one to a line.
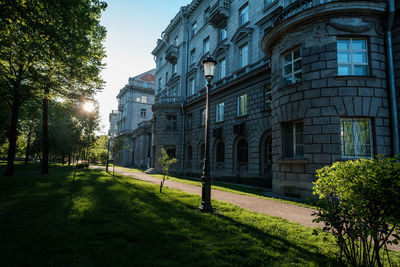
(98,221)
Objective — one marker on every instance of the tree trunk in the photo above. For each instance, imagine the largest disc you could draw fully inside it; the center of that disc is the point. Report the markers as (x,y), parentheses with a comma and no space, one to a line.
(45,130)
(69,159)
(28,143)
(12,135)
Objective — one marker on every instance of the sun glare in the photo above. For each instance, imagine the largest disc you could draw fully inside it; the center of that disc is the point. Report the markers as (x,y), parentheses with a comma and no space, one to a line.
(88,107)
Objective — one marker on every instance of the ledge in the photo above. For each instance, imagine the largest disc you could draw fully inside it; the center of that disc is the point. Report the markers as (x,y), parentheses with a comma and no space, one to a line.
(292,161)
(355,77)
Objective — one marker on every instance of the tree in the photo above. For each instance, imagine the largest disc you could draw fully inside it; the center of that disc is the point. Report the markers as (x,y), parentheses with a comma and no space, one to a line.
(118,144)
(165,162)
(359,204)
(48,45)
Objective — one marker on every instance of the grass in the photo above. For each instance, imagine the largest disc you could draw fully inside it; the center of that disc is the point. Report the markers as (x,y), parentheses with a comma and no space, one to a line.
(100,221)
(228,187)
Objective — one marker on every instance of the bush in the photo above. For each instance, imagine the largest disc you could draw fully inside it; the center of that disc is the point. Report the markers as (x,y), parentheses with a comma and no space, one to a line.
(360,206)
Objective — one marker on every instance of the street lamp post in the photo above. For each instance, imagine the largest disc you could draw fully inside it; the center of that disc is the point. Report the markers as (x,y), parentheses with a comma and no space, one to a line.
(209,69)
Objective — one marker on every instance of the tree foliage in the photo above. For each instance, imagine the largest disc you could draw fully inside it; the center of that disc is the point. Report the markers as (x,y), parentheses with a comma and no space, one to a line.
(360,202)
(48,48)
(166,161)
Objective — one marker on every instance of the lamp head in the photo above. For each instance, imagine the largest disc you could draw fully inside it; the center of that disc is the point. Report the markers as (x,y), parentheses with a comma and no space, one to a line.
(209,67)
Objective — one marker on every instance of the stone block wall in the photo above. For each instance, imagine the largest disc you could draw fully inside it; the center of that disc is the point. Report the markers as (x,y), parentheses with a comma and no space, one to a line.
(322,98)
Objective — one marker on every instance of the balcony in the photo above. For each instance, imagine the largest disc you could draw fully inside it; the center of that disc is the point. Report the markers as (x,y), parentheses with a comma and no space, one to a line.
(171,54)
(167,102)
(219,12)
(293,7)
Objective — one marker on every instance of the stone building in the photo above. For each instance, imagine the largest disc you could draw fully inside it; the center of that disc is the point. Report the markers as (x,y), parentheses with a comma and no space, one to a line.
(134,107)
(299,85)
(113,119)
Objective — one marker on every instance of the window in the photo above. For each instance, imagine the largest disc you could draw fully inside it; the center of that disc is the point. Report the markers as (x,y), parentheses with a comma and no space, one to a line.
(138,99)
(292,67)
(176,41)
(202,117)
(243,14)
(356,138)
(166,77)
(242,152)
(352,57)
(144,99)
(268,97)
(223,34)
(145,84)
(159,84)
(193,56)
(221,68)
(243,55)
(219,112)
(143,113)
(191,87)
(242,105)
(293,139)
(171,122)
(206,45)
(220,152)
(194,28)
(189,120)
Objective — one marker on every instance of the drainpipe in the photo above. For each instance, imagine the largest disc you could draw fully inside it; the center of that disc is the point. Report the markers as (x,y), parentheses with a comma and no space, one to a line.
(184,90)
(391,80)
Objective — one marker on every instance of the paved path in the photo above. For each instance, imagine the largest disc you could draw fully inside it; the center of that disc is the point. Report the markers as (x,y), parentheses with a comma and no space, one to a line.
(289,212)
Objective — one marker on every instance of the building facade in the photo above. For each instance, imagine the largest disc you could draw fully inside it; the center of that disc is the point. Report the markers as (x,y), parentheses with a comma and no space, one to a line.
(134,107)
(113,119)
(298,85)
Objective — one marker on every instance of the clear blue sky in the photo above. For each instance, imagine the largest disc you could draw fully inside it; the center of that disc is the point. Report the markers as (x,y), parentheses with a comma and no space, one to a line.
(133,27)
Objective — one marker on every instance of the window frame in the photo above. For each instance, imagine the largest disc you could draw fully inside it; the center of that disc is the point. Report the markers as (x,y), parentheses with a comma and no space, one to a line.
(245,107)
(172,122)
(244,10)
(294,144)
(192,86)
(189,121)
(354,130)
(352,51)
(220,66)
(206,45)
(219,116)
(193,56)
(292,62)
(143,113)
(241,57)
(194,28)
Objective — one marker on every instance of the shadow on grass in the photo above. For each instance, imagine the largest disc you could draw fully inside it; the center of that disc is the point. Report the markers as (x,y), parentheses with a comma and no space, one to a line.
(97,220)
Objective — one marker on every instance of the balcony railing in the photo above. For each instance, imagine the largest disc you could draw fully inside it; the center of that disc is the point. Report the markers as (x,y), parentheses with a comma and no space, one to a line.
(219,12)
(120,106)
(171,54)
(168,101)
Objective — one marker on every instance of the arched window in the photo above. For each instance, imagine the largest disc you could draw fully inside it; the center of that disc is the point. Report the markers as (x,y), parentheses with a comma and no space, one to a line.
(220,152)
(242,151)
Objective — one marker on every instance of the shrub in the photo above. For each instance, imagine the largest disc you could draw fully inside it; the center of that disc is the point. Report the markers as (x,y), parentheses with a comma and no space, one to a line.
(360,206)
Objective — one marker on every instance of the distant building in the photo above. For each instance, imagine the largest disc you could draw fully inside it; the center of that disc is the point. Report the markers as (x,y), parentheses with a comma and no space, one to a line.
(113,119)
(299,85)
(134,107)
